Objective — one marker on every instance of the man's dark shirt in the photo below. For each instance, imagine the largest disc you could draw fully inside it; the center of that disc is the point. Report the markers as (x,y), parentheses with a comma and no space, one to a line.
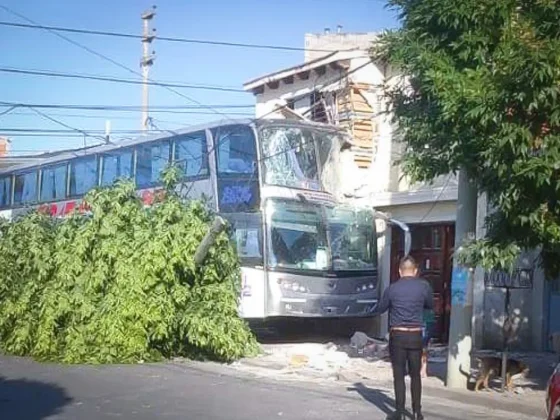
(406,300)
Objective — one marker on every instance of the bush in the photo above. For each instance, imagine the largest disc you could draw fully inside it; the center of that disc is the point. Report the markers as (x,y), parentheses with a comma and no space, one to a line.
(119,285)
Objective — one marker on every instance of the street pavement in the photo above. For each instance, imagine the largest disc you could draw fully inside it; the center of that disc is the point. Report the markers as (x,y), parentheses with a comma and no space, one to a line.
(32,391)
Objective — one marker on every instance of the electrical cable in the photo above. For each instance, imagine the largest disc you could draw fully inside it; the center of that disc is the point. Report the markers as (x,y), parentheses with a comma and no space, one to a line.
(159,38)
(106,58)
(114,79)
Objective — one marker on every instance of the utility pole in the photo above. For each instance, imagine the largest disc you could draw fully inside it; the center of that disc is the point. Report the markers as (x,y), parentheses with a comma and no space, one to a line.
(147,61)
(107,131)
(460,329)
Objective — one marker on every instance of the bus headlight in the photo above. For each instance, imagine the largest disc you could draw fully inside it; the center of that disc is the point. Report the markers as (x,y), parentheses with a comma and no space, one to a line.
(294,286)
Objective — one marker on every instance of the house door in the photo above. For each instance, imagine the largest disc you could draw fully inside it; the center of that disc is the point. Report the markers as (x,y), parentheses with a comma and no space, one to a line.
(432,248)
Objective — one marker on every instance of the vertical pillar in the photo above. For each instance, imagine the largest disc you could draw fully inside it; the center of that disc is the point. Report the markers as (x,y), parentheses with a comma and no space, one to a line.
(460,334)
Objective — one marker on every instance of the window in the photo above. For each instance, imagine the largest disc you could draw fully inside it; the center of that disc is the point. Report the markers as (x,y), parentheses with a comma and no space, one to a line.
(53,183)
(151,161)
(236,148)
(297,237)
(289,157)
(83,175)
(117,165)
(5,191)
(352,239)
(25,190)
(248,237)
(191,154)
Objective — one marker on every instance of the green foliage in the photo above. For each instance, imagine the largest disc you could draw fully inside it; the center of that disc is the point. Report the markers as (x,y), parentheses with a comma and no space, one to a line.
(119,285)
(483,93)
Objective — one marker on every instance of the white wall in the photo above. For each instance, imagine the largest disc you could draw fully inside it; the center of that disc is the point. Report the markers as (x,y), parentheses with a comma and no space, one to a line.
(441,211)
(336,42)
(268,100)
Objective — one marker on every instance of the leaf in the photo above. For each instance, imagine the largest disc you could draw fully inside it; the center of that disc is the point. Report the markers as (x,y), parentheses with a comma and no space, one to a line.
(119,285)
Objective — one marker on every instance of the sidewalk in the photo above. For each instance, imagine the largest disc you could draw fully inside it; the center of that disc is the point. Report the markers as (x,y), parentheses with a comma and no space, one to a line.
(329,363)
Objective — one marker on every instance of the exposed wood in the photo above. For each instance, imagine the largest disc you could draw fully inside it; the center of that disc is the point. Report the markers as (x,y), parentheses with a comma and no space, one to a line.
(321,70)
(217,227)
(356,115)
(273,85)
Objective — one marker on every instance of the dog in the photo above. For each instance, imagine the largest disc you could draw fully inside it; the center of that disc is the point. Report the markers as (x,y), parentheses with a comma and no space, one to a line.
(491,366)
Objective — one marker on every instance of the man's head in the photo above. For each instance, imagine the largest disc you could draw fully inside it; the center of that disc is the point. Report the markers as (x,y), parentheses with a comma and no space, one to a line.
(408,267)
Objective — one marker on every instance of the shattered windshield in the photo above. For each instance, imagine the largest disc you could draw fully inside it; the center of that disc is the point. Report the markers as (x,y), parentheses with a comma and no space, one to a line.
(297,237)
(312,237)
(352,239)
(289,157)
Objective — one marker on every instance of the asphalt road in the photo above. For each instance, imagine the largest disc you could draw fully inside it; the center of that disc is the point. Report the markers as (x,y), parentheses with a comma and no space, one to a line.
(32,391)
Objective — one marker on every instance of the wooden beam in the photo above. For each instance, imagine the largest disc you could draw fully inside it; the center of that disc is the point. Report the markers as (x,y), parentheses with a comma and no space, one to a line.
(273,85)
(321,70)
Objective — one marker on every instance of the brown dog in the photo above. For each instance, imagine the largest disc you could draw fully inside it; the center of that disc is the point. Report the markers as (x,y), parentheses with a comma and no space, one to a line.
(491,366)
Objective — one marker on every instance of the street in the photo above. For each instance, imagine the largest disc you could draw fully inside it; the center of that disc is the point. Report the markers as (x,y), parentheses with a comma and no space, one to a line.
(32,391)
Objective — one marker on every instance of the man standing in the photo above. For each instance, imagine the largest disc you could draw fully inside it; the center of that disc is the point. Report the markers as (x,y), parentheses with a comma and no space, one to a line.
(406,301)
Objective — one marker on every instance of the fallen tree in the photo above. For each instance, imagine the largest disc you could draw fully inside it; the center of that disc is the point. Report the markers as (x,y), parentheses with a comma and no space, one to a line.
(120,284)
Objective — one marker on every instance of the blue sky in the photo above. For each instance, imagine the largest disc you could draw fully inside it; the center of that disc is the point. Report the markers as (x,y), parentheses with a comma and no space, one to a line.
(276,22)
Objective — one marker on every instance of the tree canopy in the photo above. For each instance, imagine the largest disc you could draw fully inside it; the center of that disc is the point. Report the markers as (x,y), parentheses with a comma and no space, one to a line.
(120,285)
(480,90)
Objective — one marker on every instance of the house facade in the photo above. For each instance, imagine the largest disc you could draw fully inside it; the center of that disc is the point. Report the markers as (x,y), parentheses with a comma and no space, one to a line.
(339,84)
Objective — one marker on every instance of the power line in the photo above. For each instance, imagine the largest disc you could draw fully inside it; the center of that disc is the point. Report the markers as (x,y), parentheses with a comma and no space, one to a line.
(118,117)
(123,108)
(436,201)
(104,57)
(100,78)
(161,38)
(118,107)
(56,121)
(7,111)
(61,131)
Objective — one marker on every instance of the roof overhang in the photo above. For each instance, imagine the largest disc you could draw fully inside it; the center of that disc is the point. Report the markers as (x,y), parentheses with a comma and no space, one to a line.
(337,60)
(13,161)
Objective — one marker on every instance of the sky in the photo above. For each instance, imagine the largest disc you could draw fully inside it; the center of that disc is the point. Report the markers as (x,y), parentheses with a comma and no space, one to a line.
(272,22)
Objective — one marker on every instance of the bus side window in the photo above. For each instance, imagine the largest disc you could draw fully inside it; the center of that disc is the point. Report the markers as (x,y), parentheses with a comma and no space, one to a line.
(5,191)
(237,153)
(151,160)
(117,165)
(25,190)
(191,154)
(83,175)
(53,182)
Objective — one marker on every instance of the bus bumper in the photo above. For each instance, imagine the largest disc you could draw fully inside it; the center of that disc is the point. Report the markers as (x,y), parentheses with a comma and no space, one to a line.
(324,306)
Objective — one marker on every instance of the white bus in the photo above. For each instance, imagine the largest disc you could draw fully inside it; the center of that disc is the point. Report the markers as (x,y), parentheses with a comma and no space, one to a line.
(303,252)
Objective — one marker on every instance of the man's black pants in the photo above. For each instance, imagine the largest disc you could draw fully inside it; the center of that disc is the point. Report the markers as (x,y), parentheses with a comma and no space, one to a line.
(405,348)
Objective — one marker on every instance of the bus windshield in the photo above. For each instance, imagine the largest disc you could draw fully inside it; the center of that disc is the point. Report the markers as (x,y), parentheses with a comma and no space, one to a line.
(299,157)
(298,237)
(322,238)
(352,239)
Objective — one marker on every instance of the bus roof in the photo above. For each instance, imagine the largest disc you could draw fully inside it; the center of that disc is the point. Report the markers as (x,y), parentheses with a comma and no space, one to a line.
(54,157)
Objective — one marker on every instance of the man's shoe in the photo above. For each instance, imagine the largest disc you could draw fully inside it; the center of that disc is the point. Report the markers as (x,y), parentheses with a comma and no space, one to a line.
(396,416)
(418,416)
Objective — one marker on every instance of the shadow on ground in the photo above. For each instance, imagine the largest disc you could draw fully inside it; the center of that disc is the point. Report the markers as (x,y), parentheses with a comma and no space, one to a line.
(376,397)
(30,400)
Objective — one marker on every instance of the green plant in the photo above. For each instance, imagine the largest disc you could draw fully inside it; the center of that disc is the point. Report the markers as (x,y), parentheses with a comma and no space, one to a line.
(482,93)
(119,285)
